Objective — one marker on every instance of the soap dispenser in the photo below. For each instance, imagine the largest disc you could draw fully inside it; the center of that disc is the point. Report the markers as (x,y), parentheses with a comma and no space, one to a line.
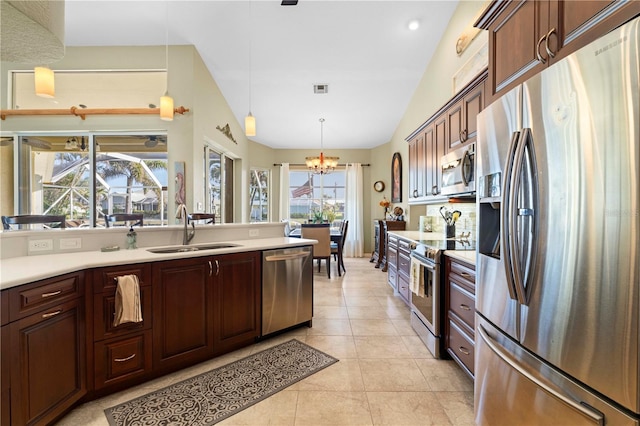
(131,239)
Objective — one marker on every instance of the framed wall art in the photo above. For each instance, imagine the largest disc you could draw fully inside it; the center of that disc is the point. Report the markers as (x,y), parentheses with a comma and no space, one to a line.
(396,178)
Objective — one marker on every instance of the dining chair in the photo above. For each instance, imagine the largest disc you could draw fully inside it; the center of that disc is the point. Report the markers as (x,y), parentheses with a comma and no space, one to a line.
(133,219)
(337,247)
(32,219)
(209,218)
(322,250)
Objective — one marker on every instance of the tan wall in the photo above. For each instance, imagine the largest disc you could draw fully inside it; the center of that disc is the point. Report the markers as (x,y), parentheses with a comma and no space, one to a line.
(191,85)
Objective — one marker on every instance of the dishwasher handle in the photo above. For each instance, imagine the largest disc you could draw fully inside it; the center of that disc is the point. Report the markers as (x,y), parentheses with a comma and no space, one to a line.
(280,257)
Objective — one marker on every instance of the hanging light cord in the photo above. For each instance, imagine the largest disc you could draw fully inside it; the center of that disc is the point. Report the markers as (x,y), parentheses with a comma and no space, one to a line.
(166,47)
(250,52)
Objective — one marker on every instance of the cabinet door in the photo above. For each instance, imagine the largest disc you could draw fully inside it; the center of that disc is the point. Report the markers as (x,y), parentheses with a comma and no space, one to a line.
(183,314)
(429,172)
(578,23)
(5,376)
(455,125)
(472,103)
(437,151)
(413,168)
(237,295)
(513,44)
(48,363)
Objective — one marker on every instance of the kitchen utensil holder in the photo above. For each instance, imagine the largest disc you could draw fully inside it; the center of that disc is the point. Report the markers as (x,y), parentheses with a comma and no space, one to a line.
(450,231)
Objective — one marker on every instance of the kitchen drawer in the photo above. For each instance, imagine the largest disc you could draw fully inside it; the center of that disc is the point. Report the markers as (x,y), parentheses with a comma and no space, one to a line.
(106,279)
(120,360)
(28,299)
(403,288)
(404,246)
(104,312)
(461,346)
(392,241)
(392,276)
(464,273)
(462,303)
(404,265)
(392,257)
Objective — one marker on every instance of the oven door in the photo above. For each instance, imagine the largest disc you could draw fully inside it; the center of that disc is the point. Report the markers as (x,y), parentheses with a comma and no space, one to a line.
(426,311)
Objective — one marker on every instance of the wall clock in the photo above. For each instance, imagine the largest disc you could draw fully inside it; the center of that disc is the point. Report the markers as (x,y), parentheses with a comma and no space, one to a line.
(379,186)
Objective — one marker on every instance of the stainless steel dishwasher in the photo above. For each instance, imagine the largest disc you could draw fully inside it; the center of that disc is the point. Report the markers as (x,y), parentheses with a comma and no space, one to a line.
(287,288)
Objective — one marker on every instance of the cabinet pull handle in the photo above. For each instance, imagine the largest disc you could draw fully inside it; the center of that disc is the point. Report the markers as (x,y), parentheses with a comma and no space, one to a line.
(53,293)
(434,190)
(125,359)
(464,307)
(538,55)
(464,350)
(546,43)
(465,274)
(210,269)
(51,314)
(217,267)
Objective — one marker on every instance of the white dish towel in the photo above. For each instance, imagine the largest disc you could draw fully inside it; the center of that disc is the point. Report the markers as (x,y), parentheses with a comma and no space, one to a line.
(416,278)
(127,303)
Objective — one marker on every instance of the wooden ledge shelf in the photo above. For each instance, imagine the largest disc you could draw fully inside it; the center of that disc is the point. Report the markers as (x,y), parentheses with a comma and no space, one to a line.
(83,112)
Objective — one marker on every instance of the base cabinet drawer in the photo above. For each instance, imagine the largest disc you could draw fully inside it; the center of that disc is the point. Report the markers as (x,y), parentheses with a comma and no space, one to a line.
(460,346)
(403,288)
(122,359)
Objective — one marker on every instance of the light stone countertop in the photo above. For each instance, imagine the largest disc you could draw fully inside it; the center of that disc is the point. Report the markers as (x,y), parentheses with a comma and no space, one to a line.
(468,256)
(26,269)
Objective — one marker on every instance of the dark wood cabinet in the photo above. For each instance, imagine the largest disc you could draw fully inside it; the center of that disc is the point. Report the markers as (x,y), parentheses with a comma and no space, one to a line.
(121,354)
(389,225)
(47,351)
(237,298)
(460,312)
(183,307)
(452,127)
(399,266)
(461,119)
(527,36)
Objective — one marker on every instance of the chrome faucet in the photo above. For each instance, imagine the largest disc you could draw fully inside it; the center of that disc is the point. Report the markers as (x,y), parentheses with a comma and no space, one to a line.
(188,235)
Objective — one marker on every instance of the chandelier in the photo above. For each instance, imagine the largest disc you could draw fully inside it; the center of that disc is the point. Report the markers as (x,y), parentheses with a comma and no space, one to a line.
(322,165)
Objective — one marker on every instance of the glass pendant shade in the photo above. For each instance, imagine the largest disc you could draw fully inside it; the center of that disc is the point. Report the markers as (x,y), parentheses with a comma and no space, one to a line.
(166,107)
(250,125)
(44,81)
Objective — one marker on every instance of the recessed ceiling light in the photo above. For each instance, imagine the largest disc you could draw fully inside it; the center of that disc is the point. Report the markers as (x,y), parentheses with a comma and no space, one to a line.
(414,25)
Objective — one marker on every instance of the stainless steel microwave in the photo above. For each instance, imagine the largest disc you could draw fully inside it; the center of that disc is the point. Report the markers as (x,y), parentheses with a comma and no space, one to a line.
(458,171)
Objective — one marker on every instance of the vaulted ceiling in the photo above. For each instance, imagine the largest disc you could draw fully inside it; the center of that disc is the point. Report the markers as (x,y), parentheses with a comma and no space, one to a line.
(267,57)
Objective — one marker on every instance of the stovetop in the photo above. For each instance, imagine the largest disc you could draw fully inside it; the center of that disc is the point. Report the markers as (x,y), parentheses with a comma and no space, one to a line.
(432,249)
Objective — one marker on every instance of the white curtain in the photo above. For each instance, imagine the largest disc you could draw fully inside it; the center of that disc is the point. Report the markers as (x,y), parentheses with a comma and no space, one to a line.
(354,244)
(284,191)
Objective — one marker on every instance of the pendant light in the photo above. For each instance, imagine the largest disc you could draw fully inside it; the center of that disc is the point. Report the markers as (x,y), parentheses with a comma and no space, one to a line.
(166,101)
(44,82)
(250,120)
(321,165)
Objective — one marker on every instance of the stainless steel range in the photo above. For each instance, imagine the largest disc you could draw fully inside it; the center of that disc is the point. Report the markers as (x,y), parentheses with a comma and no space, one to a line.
(427,304)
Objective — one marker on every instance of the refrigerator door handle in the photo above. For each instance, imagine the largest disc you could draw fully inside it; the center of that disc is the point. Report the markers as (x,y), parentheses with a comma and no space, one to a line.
(523,189)
(596,416)
(505,217)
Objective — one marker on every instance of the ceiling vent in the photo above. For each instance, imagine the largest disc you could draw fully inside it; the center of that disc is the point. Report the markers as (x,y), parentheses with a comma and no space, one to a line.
(289,3)
(320,88)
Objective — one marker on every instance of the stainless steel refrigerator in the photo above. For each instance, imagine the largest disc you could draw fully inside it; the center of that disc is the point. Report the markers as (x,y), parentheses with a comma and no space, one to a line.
(558,269)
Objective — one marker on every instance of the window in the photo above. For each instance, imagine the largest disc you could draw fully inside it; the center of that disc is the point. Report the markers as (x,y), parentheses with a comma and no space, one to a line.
(57,175)
(259,195)
(315,197)
(219,184)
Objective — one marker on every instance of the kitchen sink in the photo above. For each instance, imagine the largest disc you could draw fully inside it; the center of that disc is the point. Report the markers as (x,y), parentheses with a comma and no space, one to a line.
(188,248)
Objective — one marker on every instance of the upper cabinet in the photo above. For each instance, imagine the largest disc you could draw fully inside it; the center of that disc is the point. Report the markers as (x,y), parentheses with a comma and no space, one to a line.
(452,127)
(526,36)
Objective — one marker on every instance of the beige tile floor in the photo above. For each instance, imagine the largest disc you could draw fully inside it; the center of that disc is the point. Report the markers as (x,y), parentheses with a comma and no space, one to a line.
(385,376)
